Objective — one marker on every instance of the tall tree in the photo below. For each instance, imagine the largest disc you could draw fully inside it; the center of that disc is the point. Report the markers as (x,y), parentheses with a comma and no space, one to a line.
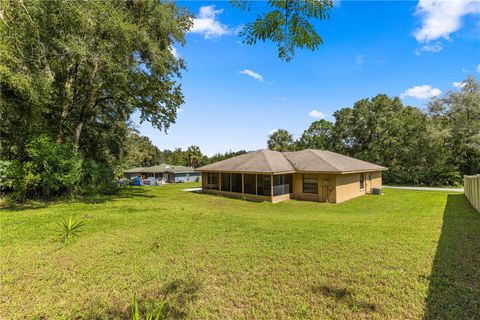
(459,113)
(280,140)
(177,157)
(317,136)
(193,156)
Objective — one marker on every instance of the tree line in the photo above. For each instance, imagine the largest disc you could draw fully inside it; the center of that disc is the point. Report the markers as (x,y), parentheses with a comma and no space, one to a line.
(436,146)
(143,153)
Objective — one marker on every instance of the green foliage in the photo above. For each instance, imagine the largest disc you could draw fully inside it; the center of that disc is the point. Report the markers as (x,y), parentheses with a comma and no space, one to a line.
(139,151)
(280,140)
(317,136)
(222,156)
(193,156)
(49,169)
(4,174)
(69,228)
(287,25)
(458,113)
(96,177)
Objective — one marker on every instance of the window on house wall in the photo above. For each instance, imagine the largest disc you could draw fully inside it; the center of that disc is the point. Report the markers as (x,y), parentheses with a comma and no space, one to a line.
(310,183)
(263,185)
(212,180)
(282,184)
(249,183)
(362,181)
(225,181)
(236,179)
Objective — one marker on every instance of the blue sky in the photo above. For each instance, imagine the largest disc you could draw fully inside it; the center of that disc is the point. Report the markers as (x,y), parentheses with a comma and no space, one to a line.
(236,94)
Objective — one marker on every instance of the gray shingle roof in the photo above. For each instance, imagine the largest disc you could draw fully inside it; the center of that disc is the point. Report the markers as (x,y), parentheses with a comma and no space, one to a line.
(327,161)
(260,161)
(310,160)
(135,170)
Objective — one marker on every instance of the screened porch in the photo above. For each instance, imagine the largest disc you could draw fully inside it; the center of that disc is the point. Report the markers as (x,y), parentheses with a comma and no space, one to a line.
(265,185)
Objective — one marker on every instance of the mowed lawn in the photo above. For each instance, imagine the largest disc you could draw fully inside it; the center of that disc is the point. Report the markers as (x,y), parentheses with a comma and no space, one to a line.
(403,255)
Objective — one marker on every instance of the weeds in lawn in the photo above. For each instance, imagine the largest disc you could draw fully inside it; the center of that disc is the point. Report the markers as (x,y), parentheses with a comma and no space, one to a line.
(151,312)
(69,228)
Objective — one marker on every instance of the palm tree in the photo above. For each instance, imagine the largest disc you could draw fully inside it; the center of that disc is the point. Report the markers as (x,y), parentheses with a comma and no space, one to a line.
(194,156)
(280,140)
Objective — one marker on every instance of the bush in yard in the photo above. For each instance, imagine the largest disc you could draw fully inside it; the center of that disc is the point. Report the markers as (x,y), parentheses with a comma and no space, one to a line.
(96,177)
(50,170)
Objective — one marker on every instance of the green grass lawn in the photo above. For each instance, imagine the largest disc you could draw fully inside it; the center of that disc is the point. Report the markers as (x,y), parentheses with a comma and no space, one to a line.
(404,255)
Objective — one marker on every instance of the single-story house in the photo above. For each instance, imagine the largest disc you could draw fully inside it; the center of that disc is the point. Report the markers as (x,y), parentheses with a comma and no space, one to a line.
(165,173)
(315,175)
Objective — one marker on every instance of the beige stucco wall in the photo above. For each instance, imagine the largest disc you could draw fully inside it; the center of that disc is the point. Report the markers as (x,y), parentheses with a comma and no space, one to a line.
(348,185)
(326,188)
(375,180)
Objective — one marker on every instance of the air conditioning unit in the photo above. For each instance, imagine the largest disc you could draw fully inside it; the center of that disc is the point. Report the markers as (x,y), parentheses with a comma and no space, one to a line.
(377,191)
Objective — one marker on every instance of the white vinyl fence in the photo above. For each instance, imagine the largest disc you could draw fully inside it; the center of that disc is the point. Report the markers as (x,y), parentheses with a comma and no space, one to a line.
(472,190)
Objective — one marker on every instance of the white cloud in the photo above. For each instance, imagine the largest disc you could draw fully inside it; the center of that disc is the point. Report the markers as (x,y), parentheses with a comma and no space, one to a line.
(272,131)
(206,23)
(174,51)
(441,18)
(429,48)
(316,114)
(421,92)
(252,74)
(478,68)
(458,84)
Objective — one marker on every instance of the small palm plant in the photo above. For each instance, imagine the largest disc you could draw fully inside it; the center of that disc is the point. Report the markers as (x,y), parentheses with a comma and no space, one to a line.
(69,228)
(151,313)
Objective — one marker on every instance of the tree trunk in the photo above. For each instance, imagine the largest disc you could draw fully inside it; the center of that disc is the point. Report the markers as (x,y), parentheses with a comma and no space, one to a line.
(77,133)
(79,126)
(87,107)
(69,97)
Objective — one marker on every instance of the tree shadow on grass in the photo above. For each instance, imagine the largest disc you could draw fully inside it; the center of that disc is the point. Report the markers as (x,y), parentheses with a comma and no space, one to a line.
(454,289)
(176,294)
(127,193)
(344,296)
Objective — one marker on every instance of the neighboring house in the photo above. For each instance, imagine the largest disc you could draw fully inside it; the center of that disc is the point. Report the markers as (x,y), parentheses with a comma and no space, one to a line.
(165,173)
(274,176)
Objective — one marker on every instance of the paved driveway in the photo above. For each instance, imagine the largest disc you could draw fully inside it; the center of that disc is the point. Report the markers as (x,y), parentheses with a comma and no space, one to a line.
(427,189)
